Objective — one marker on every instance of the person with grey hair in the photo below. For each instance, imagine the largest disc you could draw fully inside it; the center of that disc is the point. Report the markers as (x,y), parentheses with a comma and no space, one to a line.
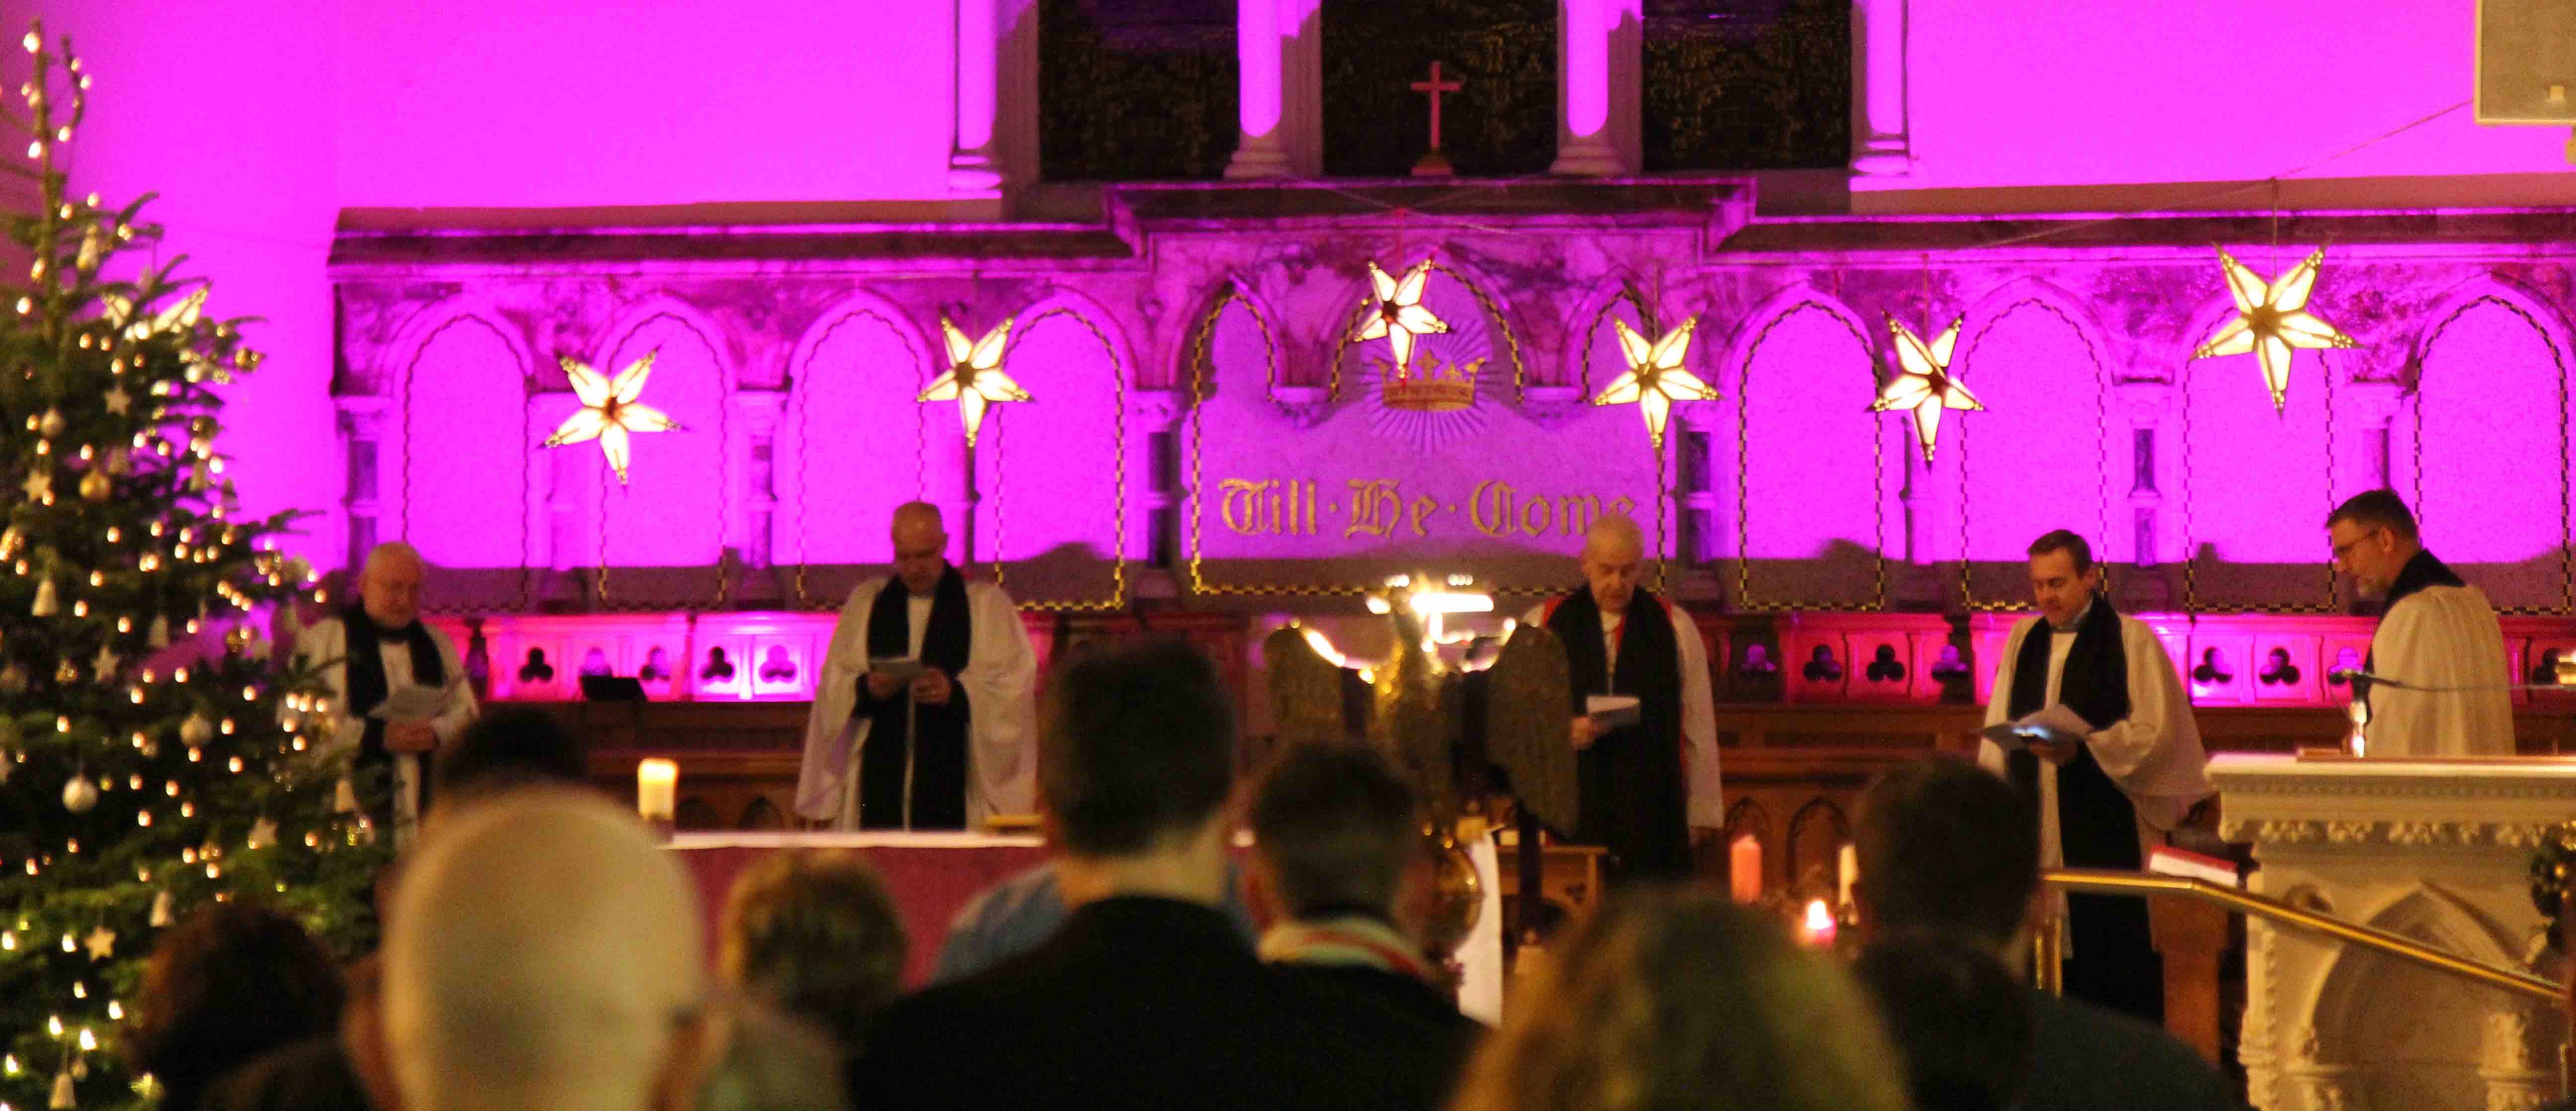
(925,703)
(366,653)
(544,952)
(1647,773)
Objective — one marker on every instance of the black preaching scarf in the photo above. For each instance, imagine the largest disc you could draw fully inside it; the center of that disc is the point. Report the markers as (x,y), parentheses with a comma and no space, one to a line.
(937,749)
(1633,797)
(2421,571)
(364,673)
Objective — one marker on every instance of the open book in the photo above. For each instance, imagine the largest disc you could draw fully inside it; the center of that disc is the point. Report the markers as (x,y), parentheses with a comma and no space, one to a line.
(1611,711)
(2053,724)
(903,669)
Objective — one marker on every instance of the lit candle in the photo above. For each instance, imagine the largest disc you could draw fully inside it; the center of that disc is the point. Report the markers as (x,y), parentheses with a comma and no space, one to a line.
(1744,868)
(1819,925)
(1847,864)
(657,787)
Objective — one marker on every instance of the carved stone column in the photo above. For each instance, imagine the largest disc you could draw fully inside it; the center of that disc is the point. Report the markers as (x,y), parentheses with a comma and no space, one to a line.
(1279,67)
(1600,47)
(1161,499)
(1881,146)
(993,143)
(362,421)
(756,413)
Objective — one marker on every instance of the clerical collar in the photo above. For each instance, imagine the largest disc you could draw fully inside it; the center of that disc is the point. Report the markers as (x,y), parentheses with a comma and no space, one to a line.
(2076,625)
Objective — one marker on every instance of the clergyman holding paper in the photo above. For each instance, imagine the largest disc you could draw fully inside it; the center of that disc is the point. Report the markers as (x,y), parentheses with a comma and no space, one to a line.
(2110,753)
(398,690)
(924,710)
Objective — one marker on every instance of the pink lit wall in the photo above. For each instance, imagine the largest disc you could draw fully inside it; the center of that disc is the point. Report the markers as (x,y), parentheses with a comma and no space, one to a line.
(2033,92)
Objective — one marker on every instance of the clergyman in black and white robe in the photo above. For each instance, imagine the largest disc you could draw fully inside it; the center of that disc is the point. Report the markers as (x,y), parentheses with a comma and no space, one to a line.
(2137,771)
(947,750)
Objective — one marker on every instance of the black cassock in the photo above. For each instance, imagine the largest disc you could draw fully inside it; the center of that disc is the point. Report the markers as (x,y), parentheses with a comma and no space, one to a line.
(1634,801)
(2113,962)
(930,757)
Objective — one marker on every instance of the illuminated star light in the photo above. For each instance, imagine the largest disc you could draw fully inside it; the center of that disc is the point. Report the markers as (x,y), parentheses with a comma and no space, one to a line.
(1400,316)
(2271,321)
(125,315)
(974,378)
(609,410)
(1924,382)
(1655,377)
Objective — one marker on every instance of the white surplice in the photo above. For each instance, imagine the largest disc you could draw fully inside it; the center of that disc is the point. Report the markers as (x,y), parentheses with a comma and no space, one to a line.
(326,642)
(2440,636)
(2154,755)
(1000,682)
(1701,785)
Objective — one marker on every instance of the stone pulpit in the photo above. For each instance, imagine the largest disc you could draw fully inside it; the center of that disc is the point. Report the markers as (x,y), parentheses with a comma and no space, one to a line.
(2433,850)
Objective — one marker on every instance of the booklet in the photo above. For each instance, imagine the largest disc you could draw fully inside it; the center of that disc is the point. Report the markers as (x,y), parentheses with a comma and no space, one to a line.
(903,669)
(1611,711)
(410,703)
(2054,724)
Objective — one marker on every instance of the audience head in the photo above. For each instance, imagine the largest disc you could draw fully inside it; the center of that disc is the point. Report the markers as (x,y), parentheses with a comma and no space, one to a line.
(815,935)
(1961,1021)
(1914,878)
(1670,1000)
(2373,536)
(773,1062)
(389,584)
(1336,828)
(232,982)
(544,952)
(1137,753)
(509,747)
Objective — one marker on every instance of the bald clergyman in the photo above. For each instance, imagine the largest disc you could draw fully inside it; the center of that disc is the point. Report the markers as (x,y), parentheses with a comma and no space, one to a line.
(946,747)
(1649,785)
(368,651)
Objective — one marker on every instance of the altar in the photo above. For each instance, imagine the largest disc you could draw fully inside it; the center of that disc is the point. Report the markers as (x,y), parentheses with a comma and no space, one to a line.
(2434,850)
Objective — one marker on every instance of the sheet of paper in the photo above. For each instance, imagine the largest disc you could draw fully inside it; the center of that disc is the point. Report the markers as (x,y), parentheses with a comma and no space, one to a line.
(904,669)
(410,703)
(1611,711)
(2056,718)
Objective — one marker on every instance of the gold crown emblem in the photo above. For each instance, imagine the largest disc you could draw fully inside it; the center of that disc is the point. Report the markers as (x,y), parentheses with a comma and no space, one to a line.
(1430,385)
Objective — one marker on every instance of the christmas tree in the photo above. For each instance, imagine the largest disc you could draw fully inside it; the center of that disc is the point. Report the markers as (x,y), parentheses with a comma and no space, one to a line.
(152,753)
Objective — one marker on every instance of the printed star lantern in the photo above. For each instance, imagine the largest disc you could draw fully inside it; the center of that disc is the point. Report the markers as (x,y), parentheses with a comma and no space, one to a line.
(1924,382)
(609,410)
(1655,377)
(2272,321)
(974,379)
(1400,316)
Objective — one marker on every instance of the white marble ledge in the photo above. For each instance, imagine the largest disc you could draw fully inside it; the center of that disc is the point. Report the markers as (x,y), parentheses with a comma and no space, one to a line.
(2490,804)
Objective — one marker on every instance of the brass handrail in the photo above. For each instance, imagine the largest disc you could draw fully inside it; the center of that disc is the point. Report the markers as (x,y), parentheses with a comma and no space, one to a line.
(2094,881)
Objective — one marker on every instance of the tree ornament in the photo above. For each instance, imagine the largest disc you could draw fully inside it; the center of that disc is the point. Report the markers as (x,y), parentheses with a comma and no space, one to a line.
(120,460)
(101,943)
(1398,314)
(13,679)
(66,673)
(1924,382)
(94,486)
(102,667)
(609,410)
(196,731)
(80,794)
(263,834)
(197,478)
(51,424)
(39,483)
(2271,321)
(48,603)
(118,401)
(159,635)
(93,245)
(163,910)
(63,1099)
(1655,377)
(10,540)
